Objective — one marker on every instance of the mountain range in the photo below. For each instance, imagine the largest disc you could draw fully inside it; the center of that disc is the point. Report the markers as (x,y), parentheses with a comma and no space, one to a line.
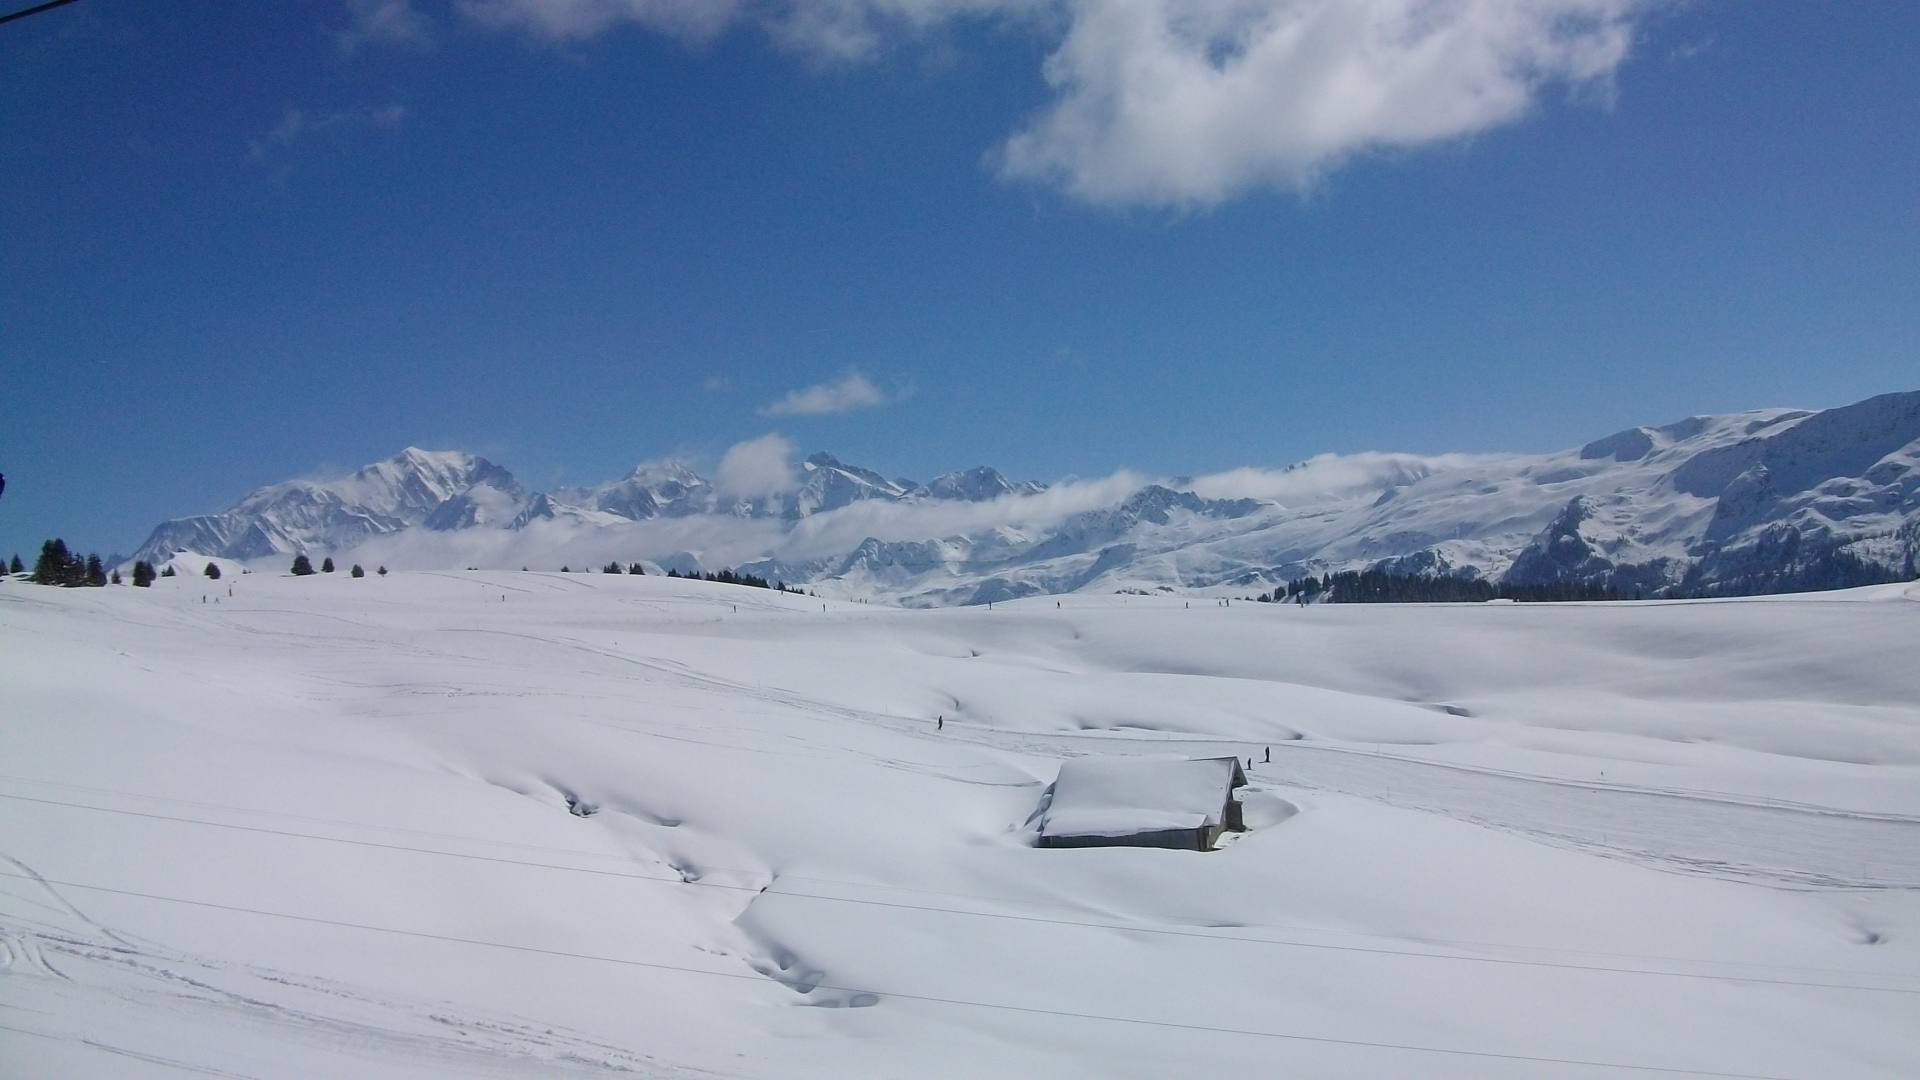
(1763,501)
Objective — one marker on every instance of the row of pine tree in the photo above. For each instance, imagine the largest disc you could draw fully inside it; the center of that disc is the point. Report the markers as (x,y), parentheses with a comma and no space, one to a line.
(1381,587)
(303,567)
(59,566)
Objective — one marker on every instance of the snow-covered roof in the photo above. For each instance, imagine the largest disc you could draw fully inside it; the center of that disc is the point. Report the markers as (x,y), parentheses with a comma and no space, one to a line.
(1122,796)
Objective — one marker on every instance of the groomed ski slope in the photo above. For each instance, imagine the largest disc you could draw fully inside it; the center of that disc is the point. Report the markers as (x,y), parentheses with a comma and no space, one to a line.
(546,825)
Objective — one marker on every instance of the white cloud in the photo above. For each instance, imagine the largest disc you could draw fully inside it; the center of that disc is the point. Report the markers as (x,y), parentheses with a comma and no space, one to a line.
(838,531)
(567,20)
(384,21)
(296,124)
(823,29)
(1191,102)
(763,467)
(845,394)
(1330,477)
(850,30)
(757,467)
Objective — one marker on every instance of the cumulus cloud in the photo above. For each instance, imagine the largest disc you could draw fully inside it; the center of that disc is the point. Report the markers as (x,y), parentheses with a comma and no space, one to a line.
(1191,102)
(845,394)
(757,467)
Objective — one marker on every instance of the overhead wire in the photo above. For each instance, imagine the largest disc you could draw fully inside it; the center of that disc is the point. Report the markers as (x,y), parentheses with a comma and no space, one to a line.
(34,10)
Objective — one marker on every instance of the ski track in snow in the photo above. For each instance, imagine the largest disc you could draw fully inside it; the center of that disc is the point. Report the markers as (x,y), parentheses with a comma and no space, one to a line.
(586,711)
(93,969)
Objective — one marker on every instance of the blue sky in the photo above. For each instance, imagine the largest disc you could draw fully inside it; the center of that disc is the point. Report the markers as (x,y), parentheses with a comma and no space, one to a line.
(245,242)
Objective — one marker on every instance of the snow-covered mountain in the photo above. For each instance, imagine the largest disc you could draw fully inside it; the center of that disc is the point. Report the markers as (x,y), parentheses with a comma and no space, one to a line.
(438,490)
(1757,501)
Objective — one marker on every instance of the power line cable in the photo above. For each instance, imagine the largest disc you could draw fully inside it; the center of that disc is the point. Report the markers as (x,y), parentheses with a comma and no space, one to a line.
(929,998)
(148,1058)
(34,10)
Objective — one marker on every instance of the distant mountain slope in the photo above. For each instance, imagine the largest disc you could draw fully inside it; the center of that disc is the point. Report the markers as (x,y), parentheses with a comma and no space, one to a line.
(439,490)
(1748,502)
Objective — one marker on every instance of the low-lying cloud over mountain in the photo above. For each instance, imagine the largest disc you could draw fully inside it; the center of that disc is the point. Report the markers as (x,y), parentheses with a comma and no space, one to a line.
(1757,501)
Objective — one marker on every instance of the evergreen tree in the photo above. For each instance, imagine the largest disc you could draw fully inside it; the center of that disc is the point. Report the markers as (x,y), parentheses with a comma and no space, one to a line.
(213,570)
(59,566)
(302,566)
(356,571)
(636,568)
(383,571)
(17,566)
(564,570)
(326,565)
(143,574)
(51,568)
(168,572)
(115,576)
(612,568)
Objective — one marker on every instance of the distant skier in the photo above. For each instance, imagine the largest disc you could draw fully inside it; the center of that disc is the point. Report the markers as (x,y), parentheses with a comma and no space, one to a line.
(1269,758)
(940,724)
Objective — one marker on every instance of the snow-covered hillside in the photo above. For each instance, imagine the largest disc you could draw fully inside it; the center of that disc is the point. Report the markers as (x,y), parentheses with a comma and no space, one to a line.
(504,824)
(1749,502)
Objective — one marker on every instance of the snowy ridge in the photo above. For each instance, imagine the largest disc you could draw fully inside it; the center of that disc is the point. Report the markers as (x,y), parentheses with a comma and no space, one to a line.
(1747,502)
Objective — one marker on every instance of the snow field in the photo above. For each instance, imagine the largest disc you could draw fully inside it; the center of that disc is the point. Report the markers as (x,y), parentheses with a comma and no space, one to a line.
(519,824)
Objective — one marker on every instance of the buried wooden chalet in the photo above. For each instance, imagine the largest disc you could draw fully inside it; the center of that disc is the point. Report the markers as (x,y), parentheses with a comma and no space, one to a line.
(1164,802)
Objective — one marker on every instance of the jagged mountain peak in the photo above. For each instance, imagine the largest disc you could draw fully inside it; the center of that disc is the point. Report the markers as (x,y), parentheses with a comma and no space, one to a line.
(820,460)
(412,488)
(1767,498)
(652,489)
(978,484)
(663,472)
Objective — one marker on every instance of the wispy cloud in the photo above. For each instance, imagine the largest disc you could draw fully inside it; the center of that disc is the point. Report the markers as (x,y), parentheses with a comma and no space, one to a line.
(298,124)
(845,394)
(1187,103)
(568,20)
(391,22)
